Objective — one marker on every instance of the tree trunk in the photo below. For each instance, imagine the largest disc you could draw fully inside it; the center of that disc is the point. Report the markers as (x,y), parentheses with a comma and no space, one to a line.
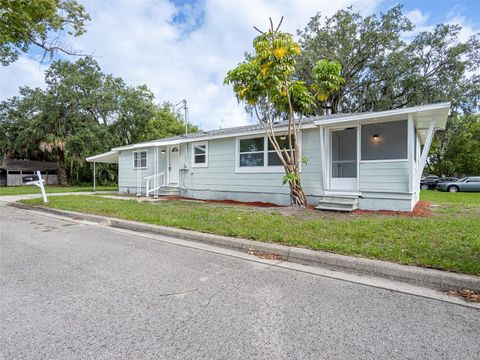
(62,176)
(297,196)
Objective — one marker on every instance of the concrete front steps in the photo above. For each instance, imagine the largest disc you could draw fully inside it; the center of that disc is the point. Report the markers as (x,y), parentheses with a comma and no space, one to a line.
(168,191)
(338,203)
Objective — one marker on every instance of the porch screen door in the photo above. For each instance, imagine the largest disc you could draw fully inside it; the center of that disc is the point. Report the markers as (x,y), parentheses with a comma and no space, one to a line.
(173,166)
(343,175)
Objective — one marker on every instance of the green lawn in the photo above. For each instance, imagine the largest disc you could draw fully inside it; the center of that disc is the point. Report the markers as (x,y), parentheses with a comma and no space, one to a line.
(446,197)
(31,189)
(449,239)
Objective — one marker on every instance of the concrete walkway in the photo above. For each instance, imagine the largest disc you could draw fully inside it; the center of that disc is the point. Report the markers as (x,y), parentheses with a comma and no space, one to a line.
(14,198)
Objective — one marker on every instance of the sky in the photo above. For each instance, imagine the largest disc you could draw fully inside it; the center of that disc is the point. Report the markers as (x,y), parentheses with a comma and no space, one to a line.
(182,49)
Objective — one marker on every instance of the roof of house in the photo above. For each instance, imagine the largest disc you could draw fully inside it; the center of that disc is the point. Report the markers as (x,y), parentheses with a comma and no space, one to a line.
(233,131)
(28,165)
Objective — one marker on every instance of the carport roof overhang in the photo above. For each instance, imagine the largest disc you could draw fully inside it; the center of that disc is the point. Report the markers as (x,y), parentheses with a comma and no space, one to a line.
(110,157)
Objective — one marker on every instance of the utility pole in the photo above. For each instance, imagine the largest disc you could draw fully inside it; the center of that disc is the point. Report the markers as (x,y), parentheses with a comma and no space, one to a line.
(182,105)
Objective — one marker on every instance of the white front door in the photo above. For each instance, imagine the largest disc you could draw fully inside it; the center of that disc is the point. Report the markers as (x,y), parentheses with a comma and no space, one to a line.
(343,159)
(173,165)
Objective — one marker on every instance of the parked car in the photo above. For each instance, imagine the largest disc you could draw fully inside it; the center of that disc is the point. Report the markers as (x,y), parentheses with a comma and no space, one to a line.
(429,182)
(471,184)
(448,179)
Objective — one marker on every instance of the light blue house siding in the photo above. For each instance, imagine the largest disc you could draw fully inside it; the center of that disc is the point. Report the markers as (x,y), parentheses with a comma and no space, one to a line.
(220,180)
(129,178)
(383,184)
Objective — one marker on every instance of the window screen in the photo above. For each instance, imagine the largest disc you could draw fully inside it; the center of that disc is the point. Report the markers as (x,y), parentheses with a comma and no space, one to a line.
(385,141)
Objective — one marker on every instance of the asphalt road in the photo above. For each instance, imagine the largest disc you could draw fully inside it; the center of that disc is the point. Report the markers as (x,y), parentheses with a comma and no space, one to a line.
(73,291)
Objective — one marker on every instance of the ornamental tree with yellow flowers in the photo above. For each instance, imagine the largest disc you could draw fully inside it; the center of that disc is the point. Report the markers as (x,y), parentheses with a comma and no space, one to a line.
(266,83)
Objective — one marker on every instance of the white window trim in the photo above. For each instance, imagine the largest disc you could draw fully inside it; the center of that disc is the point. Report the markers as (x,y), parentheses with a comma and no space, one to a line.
(265,168)
(205,164)
(146,159)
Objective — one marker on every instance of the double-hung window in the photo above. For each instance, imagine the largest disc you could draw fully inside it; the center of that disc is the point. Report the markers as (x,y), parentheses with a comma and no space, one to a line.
(200,154)
(140,159)
(257,154)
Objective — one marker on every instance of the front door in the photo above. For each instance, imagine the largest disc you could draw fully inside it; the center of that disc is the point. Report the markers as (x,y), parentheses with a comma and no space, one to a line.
(343,172)
(173,165)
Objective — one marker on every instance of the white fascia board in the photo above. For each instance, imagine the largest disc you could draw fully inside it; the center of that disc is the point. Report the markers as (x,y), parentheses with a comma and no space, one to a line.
(206,138)
(380,114)
(152,144)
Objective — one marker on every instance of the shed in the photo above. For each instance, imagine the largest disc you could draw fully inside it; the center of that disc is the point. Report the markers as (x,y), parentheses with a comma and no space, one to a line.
(12,170)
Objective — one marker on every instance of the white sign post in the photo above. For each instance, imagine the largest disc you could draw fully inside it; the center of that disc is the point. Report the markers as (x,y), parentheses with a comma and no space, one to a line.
(37,181)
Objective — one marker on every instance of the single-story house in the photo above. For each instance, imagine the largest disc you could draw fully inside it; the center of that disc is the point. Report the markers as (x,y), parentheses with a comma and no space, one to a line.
(367,160)
(12,170)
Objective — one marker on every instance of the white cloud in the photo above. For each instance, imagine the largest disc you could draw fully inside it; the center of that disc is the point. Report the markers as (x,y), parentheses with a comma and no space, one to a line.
(467,30)
(138,41)
(453,17)
(25,71)
(419,20)
(417,17)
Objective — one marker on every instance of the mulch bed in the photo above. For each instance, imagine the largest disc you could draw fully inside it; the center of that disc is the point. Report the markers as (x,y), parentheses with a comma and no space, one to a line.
(467,295)
(228,202)
(422,209)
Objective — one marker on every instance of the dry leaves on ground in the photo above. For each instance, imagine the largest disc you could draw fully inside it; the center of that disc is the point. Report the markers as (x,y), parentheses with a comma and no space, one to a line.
(467,295)
(266,255)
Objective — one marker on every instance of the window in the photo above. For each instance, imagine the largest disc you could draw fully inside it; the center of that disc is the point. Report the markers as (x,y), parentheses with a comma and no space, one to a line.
(257,154)
(200,154)
(273,158)
(385,141)
(252,152)
(140,159)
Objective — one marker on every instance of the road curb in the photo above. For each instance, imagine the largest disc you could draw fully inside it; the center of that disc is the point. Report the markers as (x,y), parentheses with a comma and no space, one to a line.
(437,279)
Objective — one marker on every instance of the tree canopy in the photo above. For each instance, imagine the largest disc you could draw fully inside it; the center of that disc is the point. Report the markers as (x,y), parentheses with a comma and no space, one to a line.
(42,23)
(81,112)
(383,69)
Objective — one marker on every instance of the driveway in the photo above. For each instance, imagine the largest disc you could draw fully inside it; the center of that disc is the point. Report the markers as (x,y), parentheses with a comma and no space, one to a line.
(74,291)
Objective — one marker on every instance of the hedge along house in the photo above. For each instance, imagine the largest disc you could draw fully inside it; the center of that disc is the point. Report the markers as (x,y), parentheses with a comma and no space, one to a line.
(366,160)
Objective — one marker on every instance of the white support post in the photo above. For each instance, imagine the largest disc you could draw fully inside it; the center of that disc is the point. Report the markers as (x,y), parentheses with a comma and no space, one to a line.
(410,143)
(323,156)
(40,185)
(158,185)
(155,169)
(425,150)
(94,178)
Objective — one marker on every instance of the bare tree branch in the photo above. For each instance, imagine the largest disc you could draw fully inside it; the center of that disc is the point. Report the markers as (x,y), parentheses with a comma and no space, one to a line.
(279,24)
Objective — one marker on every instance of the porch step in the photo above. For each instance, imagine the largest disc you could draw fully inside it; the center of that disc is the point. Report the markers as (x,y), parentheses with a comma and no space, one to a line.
(168,191)
(338,203)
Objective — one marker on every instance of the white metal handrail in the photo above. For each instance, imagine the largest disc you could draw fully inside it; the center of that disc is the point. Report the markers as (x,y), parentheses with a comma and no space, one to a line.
(154,182)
